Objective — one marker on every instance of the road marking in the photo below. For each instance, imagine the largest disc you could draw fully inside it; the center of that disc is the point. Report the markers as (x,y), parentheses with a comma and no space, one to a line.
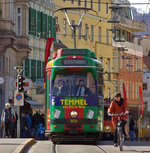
(101,149)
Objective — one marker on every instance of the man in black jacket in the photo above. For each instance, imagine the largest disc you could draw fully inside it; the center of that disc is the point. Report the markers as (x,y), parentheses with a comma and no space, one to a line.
(23,125)
(36,120)
(81,89)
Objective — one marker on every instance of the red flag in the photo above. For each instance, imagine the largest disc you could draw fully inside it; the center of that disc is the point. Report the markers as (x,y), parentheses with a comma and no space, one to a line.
(141,97)
(47,54)
(124,93)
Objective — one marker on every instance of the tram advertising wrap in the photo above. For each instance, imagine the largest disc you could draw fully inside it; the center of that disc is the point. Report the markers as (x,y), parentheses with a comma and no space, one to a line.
(74,96)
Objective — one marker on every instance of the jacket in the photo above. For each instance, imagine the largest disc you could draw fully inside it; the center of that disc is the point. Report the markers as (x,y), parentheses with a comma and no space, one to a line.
(3,116)
(115,108)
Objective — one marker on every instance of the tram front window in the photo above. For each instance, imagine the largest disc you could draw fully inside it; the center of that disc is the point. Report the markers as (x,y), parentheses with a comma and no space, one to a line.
(75,84)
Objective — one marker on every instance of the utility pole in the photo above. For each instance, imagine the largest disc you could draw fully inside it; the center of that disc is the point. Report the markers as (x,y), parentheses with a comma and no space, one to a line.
(17,92)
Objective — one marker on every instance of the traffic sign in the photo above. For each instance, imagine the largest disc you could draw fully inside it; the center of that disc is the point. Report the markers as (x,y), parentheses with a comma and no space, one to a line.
(18,98)
(28,84)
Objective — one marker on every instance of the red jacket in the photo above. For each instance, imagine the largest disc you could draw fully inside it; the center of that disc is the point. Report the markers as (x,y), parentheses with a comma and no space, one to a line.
(114,108)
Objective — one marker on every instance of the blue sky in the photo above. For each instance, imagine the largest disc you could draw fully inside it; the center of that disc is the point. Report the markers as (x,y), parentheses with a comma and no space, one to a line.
(143,7)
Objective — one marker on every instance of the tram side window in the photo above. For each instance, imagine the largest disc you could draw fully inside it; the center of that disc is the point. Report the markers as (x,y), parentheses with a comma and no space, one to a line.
(100,83)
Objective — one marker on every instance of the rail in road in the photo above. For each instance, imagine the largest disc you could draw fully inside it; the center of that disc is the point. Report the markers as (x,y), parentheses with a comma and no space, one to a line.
(101,147)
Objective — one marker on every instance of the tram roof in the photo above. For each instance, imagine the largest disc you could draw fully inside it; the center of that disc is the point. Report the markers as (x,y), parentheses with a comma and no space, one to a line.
(75,56)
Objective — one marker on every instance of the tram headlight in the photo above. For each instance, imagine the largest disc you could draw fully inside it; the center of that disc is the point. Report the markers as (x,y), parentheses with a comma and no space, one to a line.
(107,128)
(73,114)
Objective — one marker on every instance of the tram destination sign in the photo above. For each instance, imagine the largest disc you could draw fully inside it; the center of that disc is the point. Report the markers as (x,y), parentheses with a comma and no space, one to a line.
(75,62)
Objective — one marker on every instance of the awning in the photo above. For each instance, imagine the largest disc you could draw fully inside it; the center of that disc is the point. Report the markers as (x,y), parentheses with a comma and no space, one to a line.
(34,104)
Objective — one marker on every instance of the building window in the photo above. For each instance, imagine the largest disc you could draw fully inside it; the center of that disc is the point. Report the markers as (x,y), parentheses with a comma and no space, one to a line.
(1,9)
(64,27)
(106,8)
(99,6)
(72,1)
(108,69)
(144,86)
(4,64)
(11,9)
(85,3)
(133,90)
(99,34)
(79,2)
(107,36)
(91,4)
(109,93)
(19,20)
(79,34)
(86,31)
(120,60)
(92,33)
(133,64)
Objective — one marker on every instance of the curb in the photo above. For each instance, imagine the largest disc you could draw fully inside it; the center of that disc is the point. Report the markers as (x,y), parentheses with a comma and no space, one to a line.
(24,145)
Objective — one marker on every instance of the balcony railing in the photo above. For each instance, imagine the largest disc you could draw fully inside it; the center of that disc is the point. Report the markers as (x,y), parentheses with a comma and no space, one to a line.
(134,25)
(128,45)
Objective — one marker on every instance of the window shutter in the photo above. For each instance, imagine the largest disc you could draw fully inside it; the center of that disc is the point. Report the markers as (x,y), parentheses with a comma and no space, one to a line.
(38,69)
(39,23)
(42,69)
(33,70)
(54,28)
(27,67)
(43,25)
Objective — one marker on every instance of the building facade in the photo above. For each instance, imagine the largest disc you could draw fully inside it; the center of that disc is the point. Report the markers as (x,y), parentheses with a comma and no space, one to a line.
(42,25)
(129,57)
(93,33)
(13,44)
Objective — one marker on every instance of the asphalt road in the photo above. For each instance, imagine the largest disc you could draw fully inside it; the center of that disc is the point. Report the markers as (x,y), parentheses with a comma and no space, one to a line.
(101,147)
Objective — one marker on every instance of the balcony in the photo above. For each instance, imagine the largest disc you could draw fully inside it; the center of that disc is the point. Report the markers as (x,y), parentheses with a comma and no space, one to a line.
(133,25)
(129,46)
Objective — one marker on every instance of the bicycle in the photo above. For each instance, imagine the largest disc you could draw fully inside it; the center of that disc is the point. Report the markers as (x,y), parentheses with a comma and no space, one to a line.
(120,137)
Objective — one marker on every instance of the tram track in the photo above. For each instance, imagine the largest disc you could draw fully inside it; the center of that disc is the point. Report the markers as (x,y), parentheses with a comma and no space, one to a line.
(55,149)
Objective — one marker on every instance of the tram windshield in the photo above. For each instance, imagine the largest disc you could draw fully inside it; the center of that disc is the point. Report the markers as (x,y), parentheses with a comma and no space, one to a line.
(74,84)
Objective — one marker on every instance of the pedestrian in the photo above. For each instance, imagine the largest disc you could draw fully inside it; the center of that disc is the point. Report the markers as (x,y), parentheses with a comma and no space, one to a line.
(23,125)
(28,132)
(36,120)
(41,131)
(132,129)
(7,119)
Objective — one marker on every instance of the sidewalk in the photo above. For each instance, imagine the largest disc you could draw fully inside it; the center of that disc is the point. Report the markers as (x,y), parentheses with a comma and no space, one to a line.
(14,145)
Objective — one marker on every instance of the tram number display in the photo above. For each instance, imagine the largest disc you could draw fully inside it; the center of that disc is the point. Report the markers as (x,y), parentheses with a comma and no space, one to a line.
(73,121)
(74,62)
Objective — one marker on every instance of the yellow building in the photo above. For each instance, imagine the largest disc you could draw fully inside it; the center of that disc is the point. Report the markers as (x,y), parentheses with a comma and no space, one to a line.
(93,33)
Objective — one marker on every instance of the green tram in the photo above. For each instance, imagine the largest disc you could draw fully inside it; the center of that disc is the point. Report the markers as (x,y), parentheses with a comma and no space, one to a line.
(74,96)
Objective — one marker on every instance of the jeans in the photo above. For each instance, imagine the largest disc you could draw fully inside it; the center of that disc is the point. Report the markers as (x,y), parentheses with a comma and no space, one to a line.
(36,132)
(8,128)
(123,130)
(131,133)
(23,133)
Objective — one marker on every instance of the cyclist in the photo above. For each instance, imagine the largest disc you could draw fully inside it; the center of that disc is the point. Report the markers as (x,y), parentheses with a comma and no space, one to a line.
(117,106)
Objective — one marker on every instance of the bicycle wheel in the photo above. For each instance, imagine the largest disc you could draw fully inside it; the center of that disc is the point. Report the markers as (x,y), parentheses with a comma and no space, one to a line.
(120,138)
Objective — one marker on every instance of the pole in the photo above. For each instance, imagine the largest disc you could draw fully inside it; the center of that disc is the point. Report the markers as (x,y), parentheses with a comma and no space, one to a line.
(19,71)
(18,122)
(74,29)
